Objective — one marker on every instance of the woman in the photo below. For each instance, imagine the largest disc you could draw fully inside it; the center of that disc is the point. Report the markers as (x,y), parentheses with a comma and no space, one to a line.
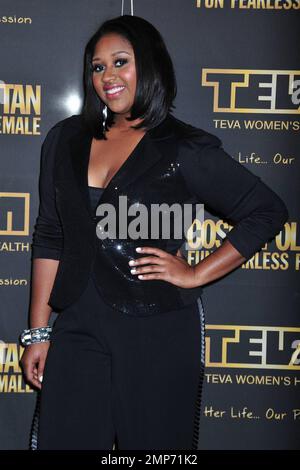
(124,361)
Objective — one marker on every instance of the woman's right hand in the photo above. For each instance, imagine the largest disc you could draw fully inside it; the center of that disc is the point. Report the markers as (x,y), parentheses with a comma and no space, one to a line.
(33,362)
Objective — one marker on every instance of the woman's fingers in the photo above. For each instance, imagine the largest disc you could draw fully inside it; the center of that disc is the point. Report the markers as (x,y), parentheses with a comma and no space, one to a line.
(33,363)
(41,370)
(30,371)
(146,260)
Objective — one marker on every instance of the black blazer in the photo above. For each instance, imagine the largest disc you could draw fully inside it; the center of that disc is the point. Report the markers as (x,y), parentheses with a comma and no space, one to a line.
(174,162)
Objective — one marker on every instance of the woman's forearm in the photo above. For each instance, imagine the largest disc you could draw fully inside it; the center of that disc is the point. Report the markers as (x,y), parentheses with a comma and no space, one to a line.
(43,276)
(223,260)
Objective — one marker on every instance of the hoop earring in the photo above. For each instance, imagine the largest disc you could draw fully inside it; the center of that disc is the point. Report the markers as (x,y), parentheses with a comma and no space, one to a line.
(104,114)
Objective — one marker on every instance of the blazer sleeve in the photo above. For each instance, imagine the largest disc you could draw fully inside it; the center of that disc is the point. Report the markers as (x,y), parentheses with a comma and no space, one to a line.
(224,185)
(47,237)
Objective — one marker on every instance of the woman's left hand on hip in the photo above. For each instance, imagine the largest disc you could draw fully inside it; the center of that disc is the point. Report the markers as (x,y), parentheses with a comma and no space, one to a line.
(163,266)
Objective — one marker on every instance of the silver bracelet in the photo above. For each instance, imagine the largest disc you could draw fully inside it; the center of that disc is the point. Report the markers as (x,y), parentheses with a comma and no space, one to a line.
(35,335)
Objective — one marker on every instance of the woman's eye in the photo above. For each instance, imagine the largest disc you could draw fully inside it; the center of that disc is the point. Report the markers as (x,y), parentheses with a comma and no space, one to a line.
(97,67)
(123,61)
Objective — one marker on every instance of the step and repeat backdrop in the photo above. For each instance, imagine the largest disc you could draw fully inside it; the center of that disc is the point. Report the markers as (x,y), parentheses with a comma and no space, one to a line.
(238,73)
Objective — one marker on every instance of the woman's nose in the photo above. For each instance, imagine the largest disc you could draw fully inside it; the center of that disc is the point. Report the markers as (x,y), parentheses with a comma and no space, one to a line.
(109,75)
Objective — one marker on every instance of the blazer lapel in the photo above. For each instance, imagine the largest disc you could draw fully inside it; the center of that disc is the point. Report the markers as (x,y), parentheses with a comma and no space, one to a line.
(79,152)
(146,153)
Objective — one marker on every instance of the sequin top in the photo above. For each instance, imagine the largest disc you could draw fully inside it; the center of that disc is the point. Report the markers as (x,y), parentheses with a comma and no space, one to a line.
(95,195)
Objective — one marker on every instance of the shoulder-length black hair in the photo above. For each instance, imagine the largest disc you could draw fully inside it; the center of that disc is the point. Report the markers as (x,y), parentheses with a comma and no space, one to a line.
(156,86)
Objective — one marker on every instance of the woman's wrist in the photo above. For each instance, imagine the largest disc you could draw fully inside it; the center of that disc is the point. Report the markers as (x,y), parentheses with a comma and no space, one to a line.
(35,335)
(219,263)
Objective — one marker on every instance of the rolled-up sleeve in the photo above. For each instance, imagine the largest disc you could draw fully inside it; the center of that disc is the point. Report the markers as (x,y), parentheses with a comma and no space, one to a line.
(47,237)
(230,190)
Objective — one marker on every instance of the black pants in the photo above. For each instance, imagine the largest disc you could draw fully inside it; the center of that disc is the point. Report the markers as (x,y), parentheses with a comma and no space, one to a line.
(114,378)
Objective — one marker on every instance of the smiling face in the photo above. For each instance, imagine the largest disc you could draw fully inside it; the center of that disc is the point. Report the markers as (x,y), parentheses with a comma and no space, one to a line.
(114,73)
